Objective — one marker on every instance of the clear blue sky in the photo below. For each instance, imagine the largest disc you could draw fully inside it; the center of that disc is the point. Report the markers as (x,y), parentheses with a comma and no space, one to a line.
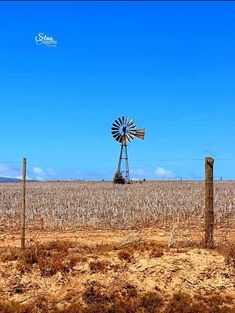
(168,65)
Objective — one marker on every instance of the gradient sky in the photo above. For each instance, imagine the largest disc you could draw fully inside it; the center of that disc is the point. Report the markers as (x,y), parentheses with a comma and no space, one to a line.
(168,65)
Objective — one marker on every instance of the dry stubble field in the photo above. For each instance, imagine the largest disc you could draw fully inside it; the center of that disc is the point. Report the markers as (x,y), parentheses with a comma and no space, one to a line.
(99,247)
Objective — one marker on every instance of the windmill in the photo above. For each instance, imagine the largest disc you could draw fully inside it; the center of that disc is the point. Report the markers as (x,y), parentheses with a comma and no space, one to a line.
(124,130)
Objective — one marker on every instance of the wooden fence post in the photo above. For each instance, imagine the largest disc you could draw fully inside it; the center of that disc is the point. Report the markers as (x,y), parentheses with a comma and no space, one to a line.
(209,211)
(23,204)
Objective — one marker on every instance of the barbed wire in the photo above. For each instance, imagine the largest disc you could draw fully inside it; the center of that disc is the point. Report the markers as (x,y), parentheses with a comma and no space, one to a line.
(107,179)
(110,179)
(131,160)
(9,162)
(142,177)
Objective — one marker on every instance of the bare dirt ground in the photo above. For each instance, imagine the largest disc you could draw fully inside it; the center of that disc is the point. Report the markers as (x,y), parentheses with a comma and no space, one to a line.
(113,259)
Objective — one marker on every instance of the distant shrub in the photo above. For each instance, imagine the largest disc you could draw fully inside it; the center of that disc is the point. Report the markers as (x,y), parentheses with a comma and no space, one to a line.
(125,256)
(58,246)
(93,294)
(99,266)
(151,302)
(130,290)
(124,306)
(157,252)
(15,307)
(118,178)
(50,266)
(180,303)
(183,303)
(11,254)
(51,257)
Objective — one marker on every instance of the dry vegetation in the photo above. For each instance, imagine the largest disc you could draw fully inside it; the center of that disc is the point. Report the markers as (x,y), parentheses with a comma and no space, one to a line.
(64,276)
(73,205)
(103,248)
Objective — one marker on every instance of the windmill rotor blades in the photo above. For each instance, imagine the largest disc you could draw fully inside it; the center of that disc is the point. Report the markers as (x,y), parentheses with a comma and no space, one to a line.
(126,121)
(140,133)
(116,126)
(118,138)
(114,132)
(115,135)
(124,130)
(133,129)
(115,129)
(129,137)
(117,122)
(131,124)
(120,121)
(132,132)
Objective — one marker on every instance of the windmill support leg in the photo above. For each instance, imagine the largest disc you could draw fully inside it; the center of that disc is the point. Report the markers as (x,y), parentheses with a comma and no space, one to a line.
(127,176)
(119,170)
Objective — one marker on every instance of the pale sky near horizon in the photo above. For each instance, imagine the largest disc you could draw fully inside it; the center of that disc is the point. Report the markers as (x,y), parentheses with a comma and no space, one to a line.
(168,65)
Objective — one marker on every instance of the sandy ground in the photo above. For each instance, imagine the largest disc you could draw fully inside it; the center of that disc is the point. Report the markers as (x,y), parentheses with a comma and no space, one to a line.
(92,236)
(185,266)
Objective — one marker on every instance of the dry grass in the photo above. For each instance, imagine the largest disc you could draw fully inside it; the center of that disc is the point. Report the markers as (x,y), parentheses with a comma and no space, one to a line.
(182,302)
(69,205)
(97,302)
(125,255)
(99,266)
(151,302)
(61,256)
(51,257)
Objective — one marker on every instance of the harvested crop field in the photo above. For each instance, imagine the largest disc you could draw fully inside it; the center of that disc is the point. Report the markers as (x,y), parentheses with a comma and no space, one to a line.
(98,247)
(74,205)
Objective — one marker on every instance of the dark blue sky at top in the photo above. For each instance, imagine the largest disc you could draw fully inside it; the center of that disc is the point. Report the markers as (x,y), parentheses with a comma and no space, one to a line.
(168,65)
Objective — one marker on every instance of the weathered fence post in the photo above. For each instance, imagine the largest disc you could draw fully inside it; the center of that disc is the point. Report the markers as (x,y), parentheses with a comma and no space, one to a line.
(209,211)
(23,204)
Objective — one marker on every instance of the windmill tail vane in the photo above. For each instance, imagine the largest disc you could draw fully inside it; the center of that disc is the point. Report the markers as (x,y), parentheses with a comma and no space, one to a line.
(124,130)
(140,133)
